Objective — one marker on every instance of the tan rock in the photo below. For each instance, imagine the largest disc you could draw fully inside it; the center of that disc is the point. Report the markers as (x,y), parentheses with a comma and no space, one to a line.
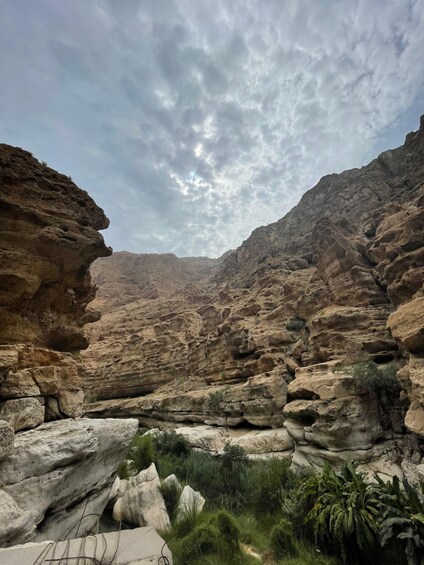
(346,423)
(189,501)
(320,382)
(6,439)
(18,384)
(220,350)
(22,413)
(264,442)
(407,325)
(48,238)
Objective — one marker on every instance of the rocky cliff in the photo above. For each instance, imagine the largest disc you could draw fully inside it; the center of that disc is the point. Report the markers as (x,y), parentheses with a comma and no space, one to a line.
(50,470)
(126,277)
(278,335)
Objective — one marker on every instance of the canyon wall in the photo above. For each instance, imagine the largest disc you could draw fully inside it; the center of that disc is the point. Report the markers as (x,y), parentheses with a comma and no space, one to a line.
(269,339)
(53,464)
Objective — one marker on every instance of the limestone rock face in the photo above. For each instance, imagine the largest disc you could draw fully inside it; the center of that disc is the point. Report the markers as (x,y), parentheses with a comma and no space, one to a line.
(138,546)
(275,442)
(6,438)
(327,411)
(126,277)
(338,280)
(54,472)
(48,239)
(38,385)
(52,468)
(22,413)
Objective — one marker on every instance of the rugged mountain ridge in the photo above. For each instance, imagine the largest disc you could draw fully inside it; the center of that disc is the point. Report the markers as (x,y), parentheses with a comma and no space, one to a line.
(54,465)
(127,277)
(268,339)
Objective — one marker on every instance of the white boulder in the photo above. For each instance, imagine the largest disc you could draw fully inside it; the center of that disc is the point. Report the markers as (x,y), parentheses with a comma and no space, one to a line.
(142,502)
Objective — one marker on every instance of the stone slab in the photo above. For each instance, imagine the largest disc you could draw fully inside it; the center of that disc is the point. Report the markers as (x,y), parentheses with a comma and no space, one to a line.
(141,546)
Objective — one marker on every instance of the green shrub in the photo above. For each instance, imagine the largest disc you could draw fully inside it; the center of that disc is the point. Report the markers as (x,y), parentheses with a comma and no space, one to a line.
(126,469)
(233,470)
(369,377)
(282,540)
(233,457)
(141,452)
(344,511)
(187,521)
(295,509)
(265,482)
(227,527)
(215,399)
(403,519)
(203,473)
(171,493)
(171,443)
(253,532)
(167,464)
(200,542)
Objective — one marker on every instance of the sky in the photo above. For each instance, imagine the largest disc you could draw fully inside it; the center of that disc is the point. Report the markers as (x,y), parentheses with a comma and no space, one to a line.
(192,122)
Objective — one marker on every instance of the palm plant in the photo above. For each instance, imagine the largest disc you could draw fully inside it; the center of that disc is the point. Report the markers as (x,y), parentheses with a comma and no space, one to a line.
(403,519)
(344,511)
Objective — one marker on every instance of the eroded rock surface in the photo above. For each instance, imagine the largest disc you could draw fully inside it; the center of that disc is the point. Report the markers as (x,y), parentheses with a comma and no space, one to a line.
(57,470)
(338,280)
(48,239)
(52,468)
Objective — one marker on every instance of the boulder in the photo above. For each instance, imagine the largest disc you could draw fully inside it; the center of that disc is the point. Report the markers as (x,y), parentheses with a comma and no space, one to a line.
(58,469)
(190,501)
(23,413)
(142,502)
(265,442)
(139,546)
(171,480)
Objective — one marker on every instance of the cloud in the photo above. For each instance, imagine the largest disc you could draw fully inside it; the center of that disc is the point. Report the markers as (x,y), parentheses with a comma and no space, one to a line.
(190,122)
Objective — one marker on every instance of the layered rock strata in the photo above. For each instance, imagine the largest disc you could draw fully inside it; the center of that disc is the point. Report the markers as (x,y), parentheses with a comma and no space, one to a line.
(268,339)
(53,465)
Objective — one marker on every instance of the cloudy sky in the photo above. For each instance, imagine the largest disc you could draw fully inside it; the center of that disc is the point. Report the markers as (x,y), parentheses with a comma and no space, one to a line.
(191,122)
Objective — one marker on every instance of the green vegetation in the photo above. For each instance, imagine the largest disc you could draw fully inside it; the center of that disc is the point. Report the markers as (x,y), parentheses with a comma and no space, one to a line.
(171,494)
(344,511)
(282,540)
(215,400)
(288,518)
(171,443)
(370,377)
(403,519)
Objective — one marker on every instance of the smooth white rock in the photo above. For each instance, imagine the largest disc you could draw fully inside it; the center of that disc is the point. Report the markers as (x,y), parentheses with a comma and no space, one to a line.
(190,501)
(171,480)
(59,465)
(142,502)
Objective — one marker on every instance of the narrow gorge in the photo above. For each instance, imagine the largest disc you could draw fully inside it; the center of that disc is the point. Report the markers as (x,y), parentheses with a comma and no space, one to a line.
(306,343)
(261,348)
